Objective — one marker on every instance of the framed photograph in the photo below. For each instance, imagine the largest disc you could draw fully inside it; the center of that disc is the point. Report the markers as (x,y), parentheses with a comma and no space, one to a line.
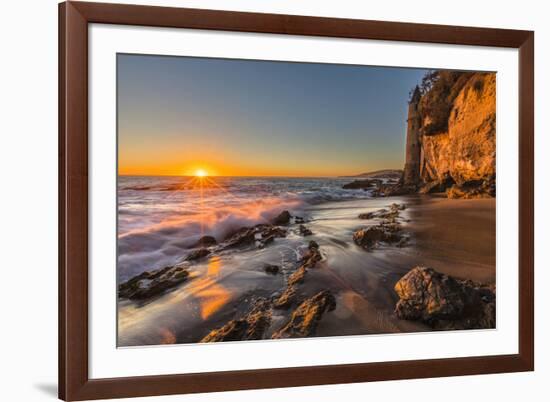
(259,200)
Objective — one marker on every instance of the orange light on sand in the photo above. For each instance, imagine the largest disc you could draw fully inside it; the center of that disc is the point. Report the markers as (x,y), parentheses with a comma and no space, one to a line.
(201,173)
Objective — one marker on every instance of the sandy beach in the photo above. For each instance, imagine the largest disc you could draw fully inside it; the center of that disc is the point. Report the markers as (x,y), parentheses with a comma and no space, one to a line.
(455,237)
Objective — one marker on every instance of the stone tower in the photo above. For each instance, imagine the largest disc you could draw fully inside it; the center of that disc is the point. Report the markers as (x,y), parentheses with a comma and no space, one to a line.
(411,173)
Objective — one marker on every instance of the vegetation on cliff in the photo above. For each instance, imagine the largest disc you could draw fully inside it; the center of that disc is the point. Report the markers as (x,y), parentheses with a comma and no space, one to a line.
(439,89)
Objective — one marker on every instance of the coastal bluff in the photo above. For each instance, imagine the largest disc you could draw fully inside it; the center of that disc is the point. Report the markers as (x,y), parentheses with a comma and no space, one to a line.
(451,136)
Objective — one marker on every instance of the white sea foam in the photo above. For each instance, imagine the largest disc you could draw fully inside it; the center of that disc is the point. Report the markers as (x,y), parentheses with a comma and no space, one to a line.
(161,217)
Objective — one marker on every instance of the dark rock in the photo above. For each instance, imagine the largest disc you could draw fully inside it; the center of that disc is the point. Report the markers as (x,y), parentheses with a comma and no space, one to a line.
(261,235)
(397,207)
(206,241)
(437,186)
(369,237)
(473,189)
(282,219)
(362,184)
(444,302)
(403,242)
(197,254)
(313,245)
(286,299)
(271,269)
(309,260)
(305,318)
(149,284)
(297,276)
(250,327)
(304,231)
(383,213)
(312,256)
(394,189)
(299,219)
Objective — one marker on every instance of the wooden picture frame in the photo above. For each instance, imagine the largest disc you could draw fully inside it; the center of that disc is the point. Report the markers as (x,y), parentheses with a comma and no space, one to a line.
(74,381)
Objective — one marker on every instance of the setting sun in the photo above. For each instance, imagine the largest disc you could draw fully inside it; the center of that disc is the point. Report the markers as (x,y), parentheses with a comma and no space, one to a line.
(201,173)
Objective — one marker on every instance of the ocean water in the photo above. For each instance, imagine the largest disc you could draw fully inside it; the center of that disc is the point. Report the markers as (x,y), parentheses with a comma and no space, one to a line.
(159,218)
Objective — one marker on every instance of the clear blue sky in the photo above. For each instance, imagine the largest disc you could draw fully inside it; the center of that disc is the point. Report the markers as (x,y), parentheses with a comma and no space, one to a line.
(241,117)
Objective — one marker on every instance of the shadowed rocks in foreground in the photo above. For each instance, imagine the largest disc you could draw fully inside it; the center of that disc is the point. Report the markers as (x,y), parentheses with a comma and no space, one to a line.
(309,260)
(305,318)
(250,327)
(444,302)
(149,284)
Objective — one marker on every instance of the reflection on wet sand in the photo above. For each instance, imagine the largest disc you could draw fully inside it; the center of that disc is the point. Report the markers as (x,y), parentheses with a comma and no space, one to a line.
(221,288)
(210,295)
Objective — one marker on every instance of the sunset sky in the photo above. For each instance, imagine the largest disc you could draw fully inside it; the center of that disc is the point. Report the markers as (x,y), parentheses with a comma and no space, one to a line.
(179,115)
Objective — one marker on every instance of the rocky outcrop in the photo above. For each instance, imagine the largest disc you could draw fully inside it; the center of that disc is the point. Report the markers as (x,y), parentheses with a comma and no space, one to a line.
(250,327)
(206,241)
(388,231)
(473,189)
(150,284)
(304,231)
(197,254)
(451,136)
(289,296)
(444,302)
(282,219)
(370,237)
(303,321)
(362,184)
(259,235)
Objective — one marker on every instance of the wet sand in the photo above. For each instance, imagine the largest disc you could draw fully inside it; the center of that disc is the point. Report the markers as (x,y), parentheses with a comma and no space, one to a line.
(456,237)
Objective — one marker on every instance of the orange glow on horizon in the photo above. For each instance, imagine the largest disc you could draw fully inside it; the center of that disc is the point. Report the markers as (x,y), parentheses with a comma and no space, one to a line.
(215,167)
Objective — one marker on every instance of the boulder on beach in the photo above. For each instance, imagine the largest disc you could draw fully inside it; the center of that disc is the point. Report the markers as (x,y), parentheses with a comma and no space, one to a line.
(371,236)
(282,219)
(444,302)
(304,320)
(149,284)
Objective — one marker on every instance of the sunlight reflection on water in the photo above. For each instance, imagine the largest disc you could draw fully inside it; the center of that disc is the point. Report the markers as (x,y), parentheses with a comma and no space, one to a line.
(211,295)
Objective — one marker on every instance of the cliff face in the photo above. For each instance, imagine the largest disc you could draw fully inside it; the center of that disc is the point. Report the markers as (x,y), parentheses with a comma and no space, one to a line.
(460,159)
